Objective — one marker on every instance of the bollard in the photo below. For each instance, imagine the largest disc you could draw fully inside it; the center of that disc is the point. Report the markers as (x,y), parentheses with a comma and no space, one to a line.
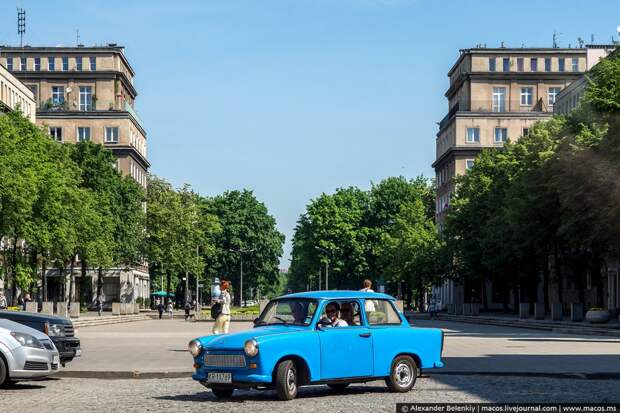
(524,310)
(576,312)
(556,312)
(116,308)
(466,309)
(74,312)
(450,308)
(48,308)
(539,311)
(475,308)
(32,307)
(61,309)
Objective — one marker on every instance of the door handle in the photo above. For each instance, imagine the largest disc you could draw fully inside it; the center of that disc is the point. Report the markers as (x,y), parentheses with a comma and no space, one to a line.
(365,335)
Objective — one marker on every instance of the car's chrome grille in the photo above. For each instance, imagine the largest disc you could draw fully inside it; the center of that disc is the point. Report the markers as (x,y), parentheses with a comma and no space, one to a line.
(35,365)
(69,332)
(224,360)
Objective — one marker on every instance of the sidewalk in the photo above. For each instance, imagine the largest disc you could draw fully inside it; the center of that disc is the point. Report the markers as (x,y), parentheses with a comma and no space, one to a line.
(612,328)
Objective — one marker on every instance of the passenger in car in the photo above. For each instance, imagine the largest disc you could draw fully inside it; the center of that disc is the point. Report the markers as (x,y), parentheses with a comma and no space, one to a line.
(332,316)
(347,313)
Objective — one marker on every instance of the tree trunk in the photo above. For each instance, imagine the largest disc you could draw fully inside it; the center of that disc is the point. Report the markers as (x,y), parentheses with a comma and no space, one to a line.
(558,272)
(485,301)
(13,284)
(44,278)
(167,287)
(99,283)
(71,297)
(34,267)
(546,282)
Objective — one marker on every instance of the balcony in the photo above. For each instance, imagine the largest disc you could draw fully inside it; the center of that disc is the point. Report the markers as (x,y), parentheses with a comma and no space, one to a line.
(133,113)
(446,118)
(64,106)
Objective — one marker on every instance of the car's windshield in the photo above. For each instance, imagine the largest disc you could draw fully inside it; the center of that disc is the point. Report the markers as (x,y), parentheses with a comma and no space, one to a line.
(288,311)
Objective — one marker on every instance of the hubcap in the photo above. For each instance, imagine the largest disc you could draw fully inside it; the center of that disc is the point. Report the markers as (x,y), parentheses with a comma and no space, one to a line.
(290,381)
(403,374)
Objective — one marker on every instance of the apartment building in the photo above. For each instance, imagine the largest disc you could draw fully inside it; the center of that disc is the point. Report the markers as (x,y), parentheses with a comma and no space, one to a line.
(87,93)
(495,95)
(15,95)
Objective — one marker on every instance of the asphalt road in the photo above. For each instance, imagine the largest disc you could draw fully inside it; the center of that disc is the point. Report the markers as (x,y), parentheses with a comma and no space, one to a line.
(159,346)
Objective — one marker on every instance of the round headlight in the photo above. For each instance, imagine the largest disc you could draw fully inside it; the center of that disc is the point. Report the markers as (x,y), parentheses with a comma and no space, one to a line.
(195,347)
(251,347)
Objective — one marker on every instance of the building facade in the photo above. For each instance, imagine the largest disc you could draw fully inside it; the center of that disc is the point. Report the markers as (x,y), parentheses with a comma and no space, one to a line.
(15,95)
(495,95)
(87,94)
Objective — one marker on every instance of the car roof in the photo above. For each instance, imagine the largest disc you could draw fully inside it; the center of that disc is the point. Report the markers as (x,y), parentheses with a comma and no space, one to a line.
(339,294)
(9,325)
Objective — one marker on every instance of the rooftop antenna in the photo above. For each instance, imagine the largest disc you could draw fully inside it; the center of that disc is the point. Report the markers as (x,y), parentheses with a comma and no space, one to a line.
(502,45)
(77,37)
(21,25)
(556,36)
(592,38)
(580,41)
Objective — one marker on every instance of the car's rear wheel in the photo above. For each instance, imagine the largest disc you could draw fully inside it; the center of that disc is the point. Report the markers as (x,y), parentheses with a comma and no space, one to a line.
(286,380)
(338,386)
(403,374)
(222,392)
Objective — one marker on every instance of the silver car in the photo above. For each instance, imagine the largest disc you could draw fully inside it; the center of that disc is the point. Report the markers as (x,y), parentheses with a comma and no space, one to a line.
(28,354)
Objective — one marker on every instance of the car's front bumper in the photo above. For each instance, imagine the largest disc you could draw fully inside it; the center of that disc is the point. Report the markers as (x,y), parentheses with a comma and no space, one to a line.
(241,376)
(68,348)
(27,363)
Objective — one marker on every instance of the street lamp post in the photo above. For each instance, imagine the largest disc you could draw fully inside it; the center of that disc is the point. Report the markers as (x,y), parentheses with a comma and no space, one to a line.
(327,254)
(241,252)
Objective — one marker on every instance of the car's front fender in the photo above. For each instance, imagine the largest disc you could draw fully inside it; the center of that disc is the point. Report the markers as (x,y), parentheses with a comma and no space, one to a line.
(301,345)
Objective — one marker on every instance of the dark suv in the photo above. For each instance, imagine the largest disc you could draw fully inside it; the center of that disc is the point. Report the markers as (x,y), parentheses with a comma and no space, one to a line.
(59,329)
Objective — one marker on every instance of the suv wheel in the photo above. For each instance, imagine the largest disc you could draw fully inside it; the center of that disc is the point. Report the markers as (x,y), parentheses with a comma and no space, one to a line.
(286,380)
(222,392)
(403,374)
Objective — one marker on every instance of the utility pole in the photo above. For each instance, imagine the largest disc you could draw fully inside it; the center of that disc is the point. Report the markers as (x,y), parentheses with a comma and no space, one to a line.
(241,252)
(197,273)
(21,25)
(327,256)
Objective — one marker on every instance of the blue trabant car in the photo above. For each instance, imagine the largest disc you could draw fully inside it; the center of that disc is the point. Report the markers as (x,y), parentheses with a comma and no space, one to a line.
(321,337)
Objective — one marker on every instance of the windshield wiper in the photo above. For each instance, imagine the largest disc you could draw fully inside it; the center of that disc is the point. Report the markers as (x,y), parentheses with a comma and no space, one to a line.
(281,319)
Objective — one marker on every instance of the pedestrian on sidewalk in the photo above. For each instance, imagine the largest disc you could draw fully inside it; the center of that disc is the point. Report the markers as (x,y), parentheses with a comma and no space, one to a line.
(2,301)
(170,309)
(222,322)
(160,309)
(99,306)
(188,308)
(369,305)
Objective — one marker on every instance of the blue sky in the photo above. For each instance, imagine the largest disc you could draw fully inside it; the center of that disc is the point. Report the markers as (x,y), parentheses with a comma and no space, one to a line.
(292,98)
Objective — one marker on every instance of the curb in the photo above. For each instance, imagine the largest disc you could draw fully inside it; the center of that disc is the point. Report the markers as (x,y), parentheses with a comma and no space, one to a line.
(581,376)
(559,328)
(115,375)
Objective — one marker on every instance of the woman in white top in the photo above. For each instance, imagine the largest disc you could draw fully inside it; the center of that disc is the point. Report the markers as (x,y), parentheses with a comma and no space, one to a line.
(222,322)
(369,305)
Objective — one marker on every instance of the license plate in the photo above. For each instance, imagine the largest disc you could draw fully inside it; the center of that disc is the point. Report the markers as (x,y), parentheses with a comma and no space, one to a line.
(56,360)
(220,378)
(78,353)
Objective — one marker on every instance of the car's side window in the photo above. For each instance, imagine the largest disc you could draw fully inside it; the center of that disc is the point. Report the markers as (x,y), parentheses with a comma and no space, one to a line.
(347,313)
(380,312)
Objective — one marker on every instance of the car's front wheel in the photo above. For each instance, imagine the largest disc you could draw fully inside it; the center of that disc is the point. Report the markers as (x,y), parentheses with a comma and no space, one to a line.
(403,374)
(4,373)
(222,392)
(286,380)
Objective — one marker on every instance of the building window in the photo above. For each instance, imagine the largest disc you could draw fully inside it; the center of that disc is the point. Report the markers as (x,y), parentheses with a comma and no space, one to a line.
(37,64)
(506,64)
(56,133)
(9,63)
(534,64)
(51,64)
(520,64)
(469,163)
(499,99)
(83,134)
(58,95)
(65,64)
(111,134)
(35,91)
(548,64)
(525,131)
(473,135)
(575,64)
(23,63)
(561,64)
(93,62)
(552,95)
(501,135)
(78,63)
(526,96)
(86,98)
(491,64)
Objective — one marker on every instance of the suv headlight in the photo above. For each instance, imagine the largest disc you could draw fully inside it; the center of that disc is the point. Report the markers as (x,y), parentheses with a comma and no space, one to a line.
(194,348)
(251,347)
(56,330)
(26,340)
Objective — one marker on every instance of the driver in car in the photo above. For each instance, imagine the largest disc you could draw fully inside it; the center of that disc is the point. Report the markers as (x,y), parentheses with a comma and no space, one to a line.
(332,316)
